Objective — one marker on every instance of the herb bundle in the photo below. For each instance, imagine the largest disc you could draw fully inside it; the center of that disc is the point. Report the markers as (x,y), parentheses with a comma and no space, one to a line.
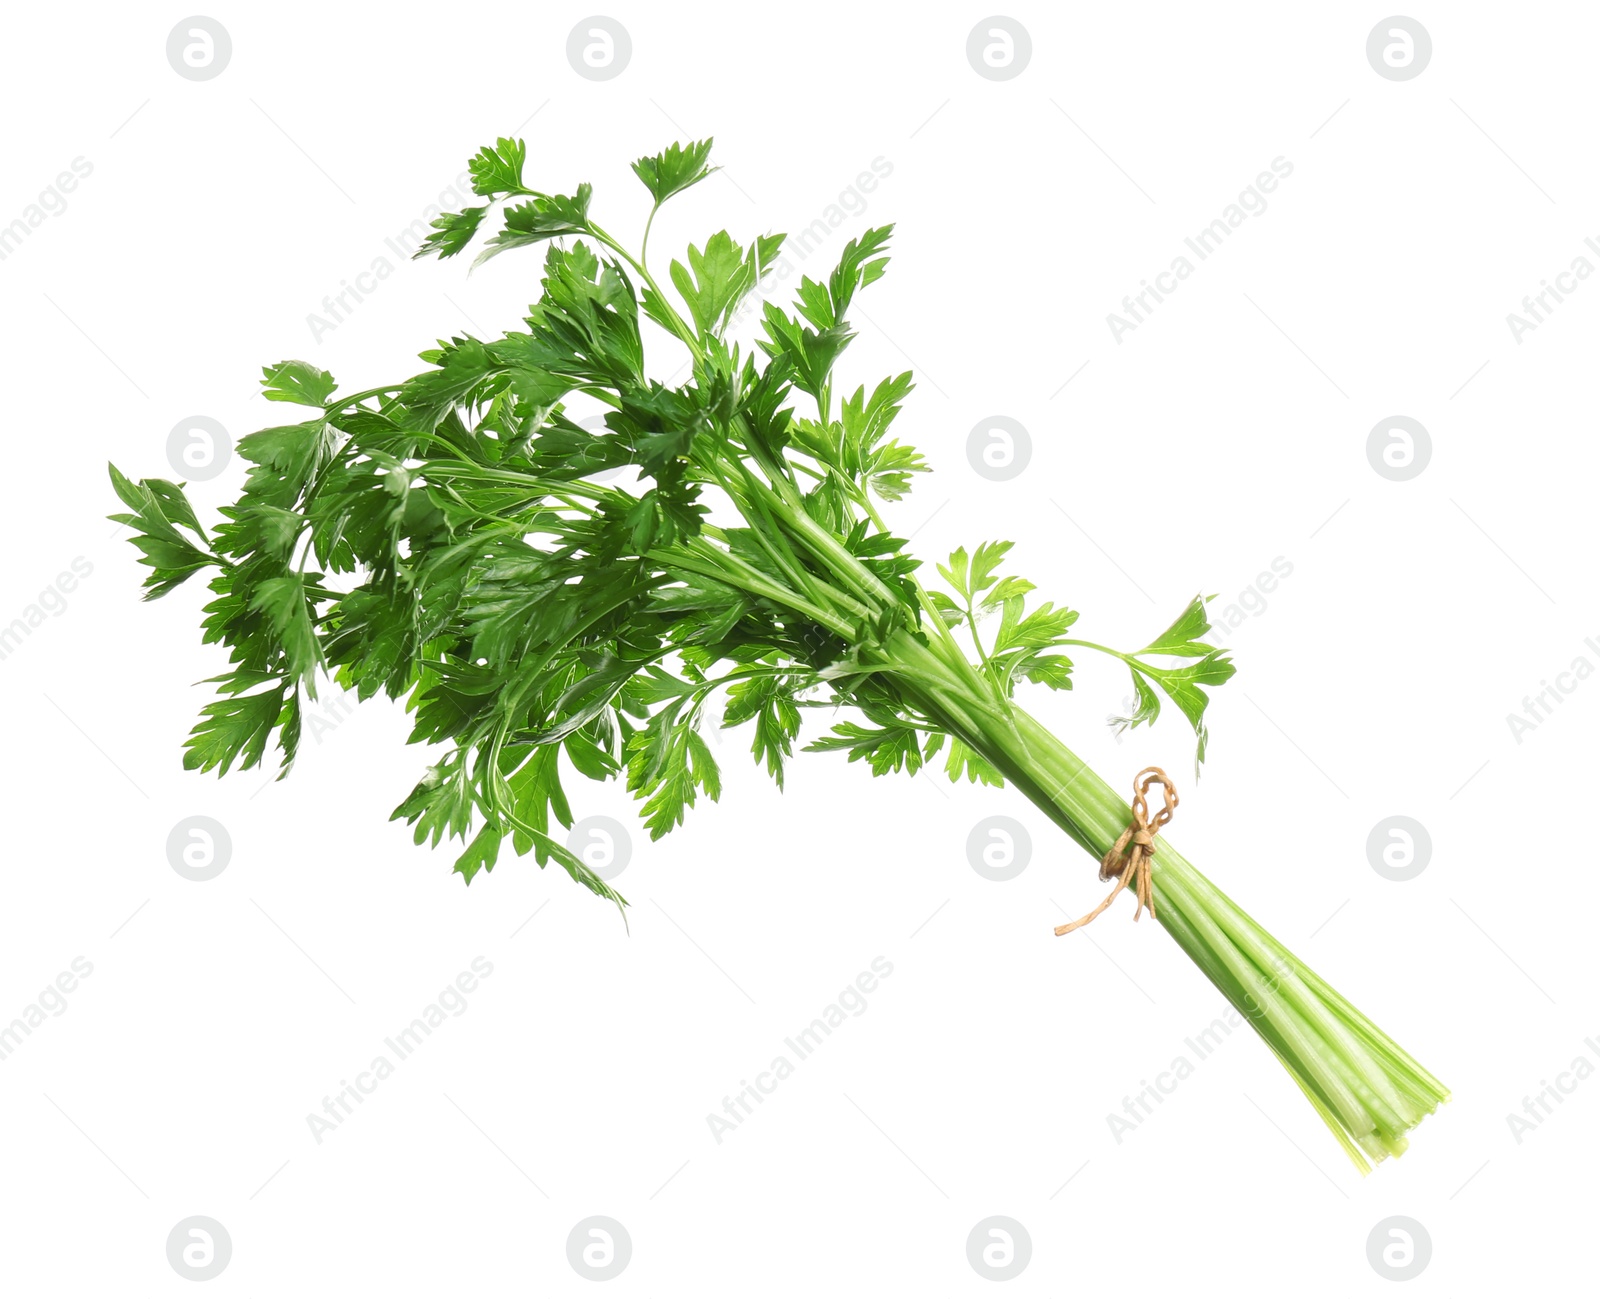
(457,539)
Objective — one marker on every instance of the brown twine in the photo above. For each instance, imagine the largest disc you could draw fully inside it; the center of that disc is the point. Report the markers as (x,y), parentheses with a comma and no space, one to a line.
(1138,842)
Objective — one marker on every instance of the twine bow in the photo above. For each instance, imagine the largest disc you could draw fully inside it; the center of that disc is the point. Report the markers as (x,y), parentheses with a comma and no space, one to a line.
(1129,858)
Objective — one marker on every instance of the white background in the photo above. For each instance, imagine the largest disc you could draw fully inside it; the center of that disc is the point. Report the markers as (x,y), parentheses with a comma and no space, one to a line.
(1228,430)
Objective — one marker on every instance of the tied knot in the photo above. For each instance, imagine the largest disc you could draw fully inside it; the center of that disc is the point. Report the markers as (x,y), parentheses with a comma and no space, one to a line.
(1128,861)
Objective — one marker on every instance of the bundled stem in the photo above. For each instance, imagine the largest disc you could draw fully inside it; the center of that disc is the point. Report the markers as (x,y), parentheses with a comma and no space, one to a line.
(1367,1089)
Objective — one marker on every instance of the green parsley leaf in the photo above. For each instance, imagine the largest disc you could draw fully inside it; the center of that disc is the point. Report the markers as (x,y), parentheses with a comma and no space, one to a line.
(297,381)
(498,169)
(674,169)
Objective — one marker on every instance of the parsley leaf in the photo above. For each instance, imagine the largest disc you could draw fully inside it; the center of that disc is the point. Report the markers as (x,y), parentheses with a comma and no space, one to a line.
(497,169)
(297,381)
(674,169)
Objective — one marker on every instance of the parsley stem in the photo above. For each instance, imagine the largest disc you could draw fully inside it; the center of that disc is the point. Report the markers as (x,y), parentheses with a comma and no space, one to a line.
(1365,1087)
(679,325)
(644,242)
(355,399)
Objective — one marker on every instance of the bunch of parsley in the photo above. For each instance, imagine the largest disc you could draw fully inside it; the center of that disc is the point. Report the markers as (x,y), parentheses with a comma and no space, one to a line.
(455,540)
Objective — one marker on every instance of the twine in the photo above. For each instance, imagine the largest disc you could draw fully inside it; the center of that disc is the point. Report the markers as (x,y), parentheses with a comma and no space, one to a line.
(1128,862)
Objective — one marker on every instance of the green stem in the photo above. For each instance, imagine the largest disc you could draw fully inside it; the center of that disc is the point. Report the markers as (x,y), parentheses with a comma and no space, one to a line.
(679,326)
(722,567)
(644,242)
(344,403)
